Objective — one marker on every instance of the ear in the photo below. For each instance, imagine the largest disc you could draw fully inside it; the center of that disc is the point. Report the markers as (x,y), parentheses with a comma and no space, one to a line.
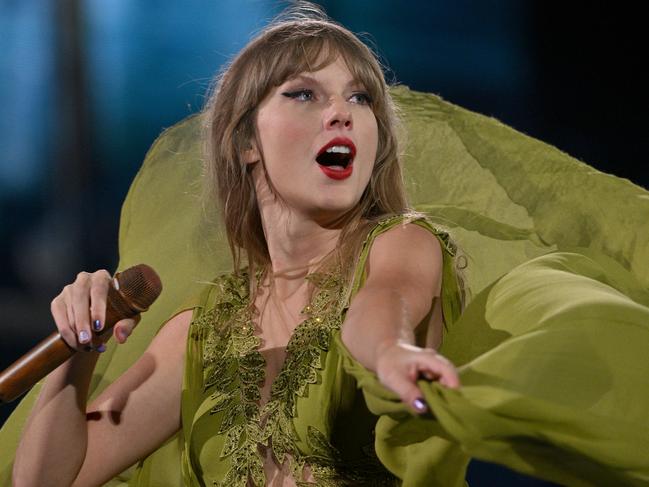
(251,154)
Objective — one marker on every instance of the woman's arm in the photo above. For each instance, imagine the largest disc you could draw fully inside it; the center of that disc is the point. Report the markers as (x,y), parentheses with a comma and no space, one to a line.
(64,443)
(403,277)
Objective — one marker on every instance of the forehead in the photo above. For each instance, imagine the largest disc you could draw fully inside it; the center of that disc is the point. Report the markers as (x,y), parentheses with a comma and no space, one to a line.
(336,71)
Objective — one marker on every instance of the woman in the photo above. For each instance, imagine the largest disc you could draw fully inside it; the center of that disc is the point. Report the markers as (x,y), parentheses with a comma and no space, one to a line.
(302,152)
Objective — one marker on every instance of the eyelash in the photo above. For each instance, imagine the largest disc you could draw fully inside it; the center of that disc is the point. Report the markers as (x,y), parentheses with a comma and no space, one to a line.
(367,100)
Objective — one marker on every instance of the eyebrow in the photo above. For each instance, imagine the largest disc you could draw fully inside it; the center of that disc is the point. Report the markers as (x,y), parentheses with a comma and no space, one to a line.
(353,82)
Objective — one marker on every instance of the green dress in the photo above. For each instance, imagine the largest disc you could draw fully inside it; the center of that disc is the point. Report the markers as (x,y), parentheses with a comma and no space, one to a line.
(551,349)
(550,387)
(315,417)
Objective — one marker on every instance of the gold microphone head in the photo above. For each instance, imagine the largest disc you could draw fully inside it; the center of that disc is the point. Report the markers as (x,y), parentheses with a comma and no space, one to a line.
(139,285)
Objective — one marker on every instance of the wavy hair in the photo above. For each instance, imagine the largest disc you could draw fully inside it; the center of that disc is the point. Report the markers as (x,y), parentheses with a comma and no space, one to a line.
(301,39)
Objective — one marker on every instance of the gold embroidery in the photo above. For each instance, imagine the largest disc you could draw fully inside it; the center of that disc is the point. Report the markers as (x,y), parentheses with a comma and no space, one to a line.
(235,369)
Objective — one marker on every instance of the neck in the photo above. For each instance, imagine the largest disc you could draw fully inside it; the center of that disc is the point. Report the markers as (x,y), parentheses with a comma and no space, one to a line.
(296,243)
(296,247)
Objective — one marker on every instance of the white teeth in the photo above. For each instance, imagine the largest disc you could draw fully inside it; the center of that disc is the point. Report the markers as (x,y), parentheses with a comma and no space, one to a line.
(341,149)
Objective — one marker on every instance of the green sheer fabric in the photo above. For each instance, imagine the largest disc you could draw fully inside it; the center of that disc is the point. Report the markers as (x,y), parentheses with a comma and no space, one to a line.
(561,396)
(507,199)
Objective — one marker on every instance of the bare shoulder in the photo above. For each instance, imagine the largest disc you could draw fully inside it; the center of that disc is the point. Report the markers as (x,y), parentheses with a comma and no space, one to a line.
(408,233)
(407,250)
(405,262)
(173,334)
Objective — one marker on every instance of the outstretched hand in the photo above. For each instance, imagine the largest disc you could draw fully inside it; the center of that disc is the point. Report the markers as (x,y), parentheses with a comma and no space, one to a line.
(399,366)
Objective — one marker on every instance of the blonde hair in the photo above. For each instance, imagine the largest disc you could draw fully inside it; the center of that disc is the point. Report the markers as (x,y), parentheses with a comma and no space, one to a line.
(301,39)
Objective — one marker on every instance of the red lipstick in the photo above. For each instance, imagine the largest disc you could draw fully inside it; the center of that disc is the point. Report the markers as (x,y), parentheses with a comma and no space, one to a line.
(337,173)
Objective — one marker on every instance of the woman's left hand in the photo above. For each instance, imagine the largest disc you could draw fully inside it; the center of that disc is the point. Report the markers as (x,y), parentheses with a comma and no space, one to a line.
(399,366)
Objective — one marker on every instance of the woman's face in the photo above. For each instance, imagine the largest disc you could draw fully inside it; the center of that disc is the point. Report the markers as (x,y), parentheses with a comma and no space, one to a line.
(319,137)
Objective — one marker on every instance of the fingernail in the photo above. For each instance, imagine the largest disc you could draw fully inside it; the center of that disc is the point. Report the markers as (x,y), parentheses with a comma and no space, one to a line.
(101,348)
(84,336)
(123,335)
(420,405)
(96,325)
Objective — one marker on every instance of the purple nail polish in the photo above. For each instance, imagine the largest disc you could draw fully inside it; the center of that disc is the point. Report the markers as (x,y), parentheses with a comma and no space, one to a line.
(101,348)
(96,325)
(84,336)
(420,405)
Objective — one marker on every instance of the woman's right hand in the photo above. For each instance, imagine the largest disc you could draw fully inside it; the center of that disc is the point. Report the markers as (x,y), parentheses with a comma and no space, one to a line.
(80,312)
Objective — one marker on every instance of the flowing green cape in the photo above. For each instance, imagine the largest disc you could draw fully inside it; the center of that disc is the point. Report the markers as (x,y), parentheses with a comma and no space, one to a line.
(551,346)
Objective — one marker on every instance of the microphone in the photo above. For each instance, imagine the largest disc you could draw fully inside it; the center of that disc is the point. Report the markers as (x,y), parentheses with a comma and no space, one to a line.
(132,292)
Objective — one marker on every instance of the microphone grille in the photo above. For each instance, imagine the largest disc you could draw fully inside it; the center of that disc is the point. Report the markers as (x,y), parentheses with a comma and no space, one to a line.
(140,285)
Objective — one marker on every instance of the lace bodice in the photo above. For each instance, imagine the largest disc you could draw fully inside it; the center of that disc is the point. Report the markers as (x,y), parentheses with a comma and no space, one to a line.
(315,422)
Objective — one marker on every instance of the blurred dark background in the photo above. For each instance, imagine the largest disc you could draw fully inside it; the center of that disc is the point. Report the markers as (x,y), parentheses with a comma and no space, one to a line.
(87,85)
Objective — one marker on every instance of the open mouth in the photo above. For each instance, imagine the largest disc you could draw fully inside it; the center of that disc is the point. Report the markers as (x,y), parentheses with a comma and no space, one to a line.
(336,158)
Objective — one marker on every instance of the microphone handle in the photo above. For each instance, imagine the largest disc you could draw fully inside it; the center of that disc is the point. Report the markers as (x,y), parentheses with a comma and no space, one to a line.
(53,350)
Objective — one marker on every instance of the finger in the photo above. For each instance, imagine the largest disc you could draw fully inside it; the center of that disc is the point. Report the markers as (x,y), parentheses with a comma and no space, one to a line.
(60,315)
(405,387)
(67,302)
(451,377)
(414,398)
(81,307)
(441,370)
(124,328)
(72,327)
(452,380)
(97,345)
(448,379)
(100,282)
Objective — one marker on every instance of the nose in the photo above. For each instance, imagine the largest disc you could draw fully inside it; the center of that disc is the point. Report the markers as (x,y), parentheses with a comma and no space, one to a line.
(338,114)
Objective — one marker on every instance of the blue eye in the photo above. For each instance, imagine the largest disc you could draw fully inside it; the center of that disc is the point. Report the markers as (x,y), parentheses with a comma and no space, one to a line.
(301,95)
(363,98)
